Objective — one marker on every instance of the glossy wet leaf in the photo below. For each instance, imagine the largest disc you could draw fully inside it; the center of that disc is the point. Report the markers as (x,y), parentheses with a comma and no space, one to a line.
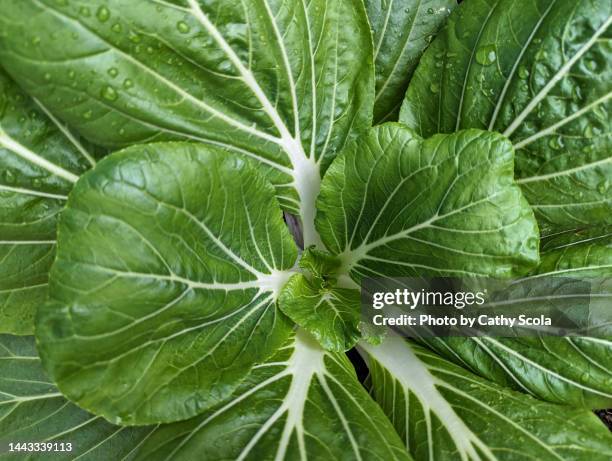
(540,73)
(32,410)
(395,204)
(402,30)
(170,257)
(570,370)
(446,413)
(304,403)
(282,82)
(39,162)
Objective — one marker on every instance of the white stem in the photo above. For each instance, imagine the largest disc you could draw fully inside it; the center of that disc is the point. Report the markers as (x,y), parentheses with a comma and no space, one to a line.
(308,185)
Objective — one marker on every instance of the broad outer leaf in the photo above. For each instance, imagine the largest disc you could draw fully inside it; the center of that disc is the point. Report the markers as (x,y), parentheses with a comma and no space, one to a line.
(303,404)
(397,205)
(446,413)
(39,162)
(330,314)
(283,82)
(402,30)
(540,72)
(571,370)
(169,260)
(32,410)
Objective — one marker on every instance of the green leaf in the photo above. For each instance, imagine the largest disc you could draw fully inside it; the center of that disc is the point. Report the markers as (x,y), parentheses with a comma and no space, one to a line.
(32,410)
(170,258)
(446,413)
(397,205)
(39,162)
(539,72)
(320,265)
(282,82)
(330,314)
(580,252)
(304,403)
(402,30)
(571,370)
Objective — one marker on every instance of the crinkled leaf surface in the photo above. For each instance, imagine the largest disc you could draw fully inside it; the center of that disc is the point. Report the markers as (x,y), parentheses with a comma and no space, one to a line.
(169,260)
(571,370)
(39,162)
(330,314)
(320,265)
(304,403)
(394,204)
(32,410)
(540,72)
(402,29)
(446,413)
(282,82)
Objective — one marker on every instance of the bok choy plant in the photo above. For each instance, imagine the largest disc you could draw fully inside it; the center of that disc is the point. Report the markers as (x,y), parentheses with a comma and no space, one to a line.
(154,304)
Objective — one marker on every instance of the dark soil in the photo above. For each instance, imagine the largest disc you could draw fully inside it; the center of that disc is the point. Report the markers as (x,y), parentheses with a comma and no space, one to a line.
(606,417)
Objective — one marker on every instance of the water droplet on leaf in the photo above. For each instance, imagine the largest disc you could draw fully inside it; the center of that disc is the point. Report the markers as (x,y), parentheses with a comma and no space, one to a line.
(9,177)
(103,14)
(109,93)
(556,143)
(134,37)
(183,27)
(486,55)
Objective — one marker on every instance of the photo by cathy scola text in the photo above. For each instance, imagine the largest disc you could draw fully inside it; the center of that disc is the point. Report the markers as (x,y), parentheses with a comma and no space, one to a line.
(156,305)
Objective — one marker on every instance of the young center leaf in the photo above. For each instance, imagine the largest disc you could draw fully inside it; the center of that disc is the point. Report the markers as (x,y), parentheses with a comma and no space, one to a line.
(331,314)
(539,72)
(401,29)
(282,82)
(33,411)
(303,404)
(39,162)
(395,204)
(446,413)
(170,258)
(315,302)
(571,370)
